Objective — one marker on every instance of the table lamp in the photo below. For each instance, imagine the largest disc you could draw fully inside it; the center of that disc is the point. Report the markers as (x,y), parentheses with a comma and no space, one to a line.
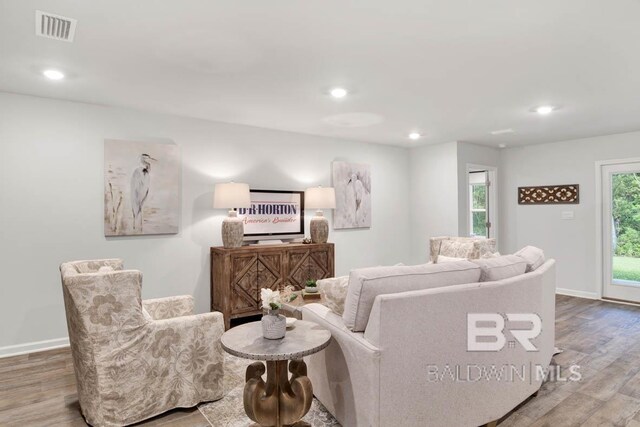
(232,195)
(319,198)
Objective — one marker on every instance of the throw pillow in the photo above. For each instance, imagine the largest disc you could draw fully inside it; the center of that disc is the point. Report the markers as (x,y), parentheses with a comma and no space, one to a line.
(457,249)
(483,247)
(334,292)
(500,268)
(533,256)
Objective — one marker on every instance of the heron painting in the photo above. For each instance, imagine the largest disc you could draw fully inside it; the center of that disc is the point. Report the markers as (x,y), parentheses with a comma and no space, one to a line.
(352,183)
(142,188)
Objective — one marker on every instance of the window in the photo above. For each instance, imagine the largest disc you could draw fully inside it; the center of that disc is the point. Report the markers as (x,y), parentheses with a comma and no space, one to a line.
(478,204)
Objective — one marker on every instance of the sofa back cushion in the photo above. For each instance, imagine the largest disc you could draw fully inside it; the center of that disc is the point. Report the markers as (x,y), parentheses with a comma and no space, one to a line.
(533,256)
(499,268)
(367,283)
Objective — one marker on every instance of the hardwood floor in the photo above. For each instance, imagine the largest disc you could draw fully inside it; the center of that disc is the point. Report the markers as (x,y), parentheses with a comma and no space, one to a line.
(39,389)
(603,338)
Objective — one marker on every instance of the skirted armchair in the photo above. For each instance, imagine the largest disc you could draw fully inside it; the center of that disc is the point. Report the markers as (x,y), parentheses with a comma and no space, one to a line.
(135,359)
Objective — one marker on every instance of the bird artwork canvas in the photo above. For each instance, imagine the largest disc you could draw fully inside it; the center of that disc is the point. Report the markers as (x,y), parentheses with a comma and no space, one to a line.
(142,188)
(352,183)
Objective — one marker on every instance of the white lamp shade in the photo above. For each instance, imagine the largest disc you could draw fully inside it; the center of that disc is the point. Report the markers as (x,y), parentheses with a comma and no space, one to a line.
(231,195)
(320,198)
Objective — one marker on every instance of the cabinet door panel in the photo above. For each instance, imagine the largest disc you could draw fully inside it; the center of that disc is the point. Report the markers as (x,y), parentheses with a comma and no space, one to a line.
(244,296)
(305,264)
(320,265)
(298,268)
(269,272)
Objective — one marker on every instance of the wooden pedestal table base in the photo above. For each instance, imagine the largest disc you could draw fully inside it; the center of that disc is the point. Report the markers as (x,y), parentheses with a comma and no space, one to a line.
(279,401)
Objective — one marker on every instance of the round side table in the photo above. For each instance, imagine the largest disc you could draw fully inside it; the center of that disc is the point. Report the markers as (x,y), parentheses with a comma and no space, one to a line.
(279,401)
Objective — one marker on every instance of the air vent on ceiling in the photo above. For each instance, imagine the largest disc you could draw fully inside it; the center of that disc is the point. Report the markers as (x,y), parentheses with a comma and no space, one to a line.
(55,26)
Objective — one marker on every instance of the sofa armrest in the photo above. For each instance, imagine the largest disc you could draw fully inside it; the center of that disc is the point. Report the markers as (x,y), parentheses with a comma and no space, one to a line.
(346,375)
(210,326)
(325,317)
(169,307)
(192,344)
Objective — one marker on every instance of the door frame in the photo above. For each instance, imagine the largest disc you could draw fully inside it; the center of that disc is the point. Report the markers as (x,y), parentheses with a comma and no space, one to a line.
(600,270)
(493,198)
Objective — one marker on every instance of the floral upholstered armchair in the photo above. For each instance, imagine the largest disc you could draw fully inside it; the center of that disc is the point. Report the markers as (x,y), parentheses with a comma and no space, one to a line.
(460,247)
(135,359)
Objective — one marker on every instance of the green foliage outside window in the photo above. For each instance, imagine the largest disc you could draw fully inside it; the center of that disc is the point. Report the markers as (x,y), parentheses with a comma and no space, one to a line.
(626,214)
(479,201)
(479,223)
(479,197)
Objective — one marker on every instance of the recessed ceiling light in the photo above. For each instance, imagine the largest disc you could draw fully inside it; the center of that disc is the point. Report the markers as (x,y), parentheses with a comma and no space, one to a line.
(502,145)
(545,109)
(414,135)
(53,74)
(338,92)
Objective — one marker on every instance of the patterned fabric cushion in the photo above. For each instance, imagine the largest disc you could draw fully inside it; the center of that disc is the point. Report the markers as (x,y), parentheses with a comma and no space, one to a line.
(481,247)
(500,268)
(456,249)
(533,256)
(334,292)
(166,308)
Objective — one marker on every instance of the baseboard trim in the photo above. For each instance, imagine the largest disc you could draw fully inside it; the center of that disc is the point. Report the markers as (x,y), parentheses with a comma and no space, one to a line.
(578,294)
(33,347)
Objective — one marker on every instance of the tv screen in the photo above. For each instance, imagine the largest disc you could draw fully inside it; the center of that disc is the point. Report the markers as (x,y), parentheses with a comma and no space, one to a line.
(274,214)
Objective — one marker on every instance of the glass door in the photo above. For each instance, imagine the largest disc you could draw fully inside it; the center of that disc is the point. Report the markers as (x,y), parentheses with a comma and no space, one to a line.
(621,216)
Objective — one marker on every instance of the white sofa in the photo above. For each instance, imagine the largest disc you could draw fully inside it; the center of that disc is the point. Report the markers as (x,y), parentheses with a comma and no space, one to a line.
(384,375)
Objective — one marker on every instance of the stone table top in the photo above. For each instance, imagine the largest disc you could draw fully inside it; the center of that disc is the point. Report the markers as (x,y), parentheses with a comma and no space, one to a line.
(303,339)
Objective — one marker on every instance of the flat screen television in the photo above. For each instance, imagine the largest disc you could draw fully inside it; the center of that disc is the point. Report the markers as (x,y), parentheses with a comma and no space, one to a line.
(274,214)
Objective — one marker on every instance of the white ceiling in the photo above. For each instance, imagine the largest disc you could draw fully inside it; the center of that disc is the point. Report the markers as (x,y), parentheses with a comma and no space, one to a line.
(450,69)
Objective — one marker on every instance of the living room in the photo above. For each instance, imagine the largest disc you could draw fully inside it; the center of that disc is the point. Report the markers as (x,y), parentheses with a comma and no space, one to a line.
(490,155)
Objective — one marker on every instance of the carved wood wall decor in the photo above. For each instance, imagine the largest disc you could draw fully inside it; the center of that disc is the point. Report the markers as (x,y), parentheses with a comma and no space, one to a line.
(549,195)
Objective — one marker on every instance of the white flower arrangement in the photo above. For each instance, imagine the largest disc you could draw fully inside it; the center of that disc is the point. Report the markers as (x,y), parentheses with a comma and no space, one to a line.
(272,300)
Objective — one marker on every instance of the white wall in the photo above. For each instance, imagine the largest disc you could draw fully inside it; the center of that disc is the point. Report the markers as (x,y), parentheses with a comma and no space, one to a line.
(471,154)
(571,242)
(434,196)
(51,201)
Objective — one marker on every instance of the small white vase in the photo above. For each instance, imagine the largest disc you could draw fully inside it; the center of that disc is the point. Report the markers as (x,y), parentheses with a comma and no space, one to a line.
(311,289)
(274,325)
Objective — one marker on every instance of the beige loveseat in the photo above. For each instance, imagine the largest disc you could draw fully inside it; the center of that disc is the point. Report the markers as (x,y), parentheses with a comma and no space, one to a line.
(399,355)
(135,359)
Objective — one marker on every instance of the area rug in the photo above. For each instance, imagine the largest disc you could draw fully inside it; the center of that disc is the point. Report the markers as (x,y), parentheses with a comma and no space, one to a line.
(229,411)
